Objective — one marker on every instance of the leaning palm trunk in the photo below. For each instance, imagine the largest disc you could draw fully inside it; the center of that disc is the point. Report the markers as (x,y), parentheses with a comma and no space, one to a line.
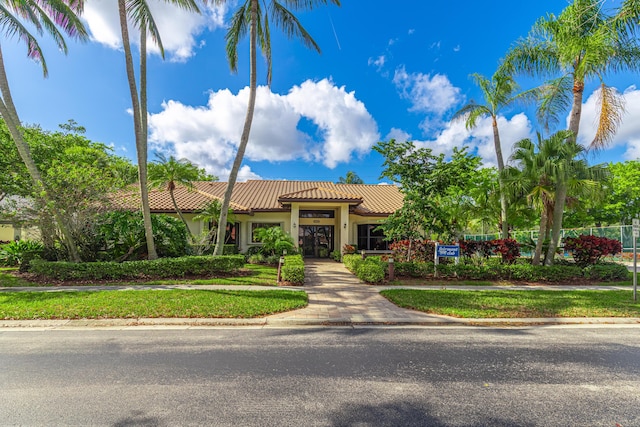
(503,195)
(138,122)
(244,139)
(10,115)
(179,212)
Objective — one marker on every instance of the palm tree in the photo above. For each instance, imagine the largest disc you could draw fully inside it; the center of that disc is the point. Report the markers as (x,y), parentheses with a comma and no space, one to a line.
(49,16)
(542,166)
(498,92)
(254,16)
(210,214)
(170,172)
(138,11)
(350,178)
(582,43)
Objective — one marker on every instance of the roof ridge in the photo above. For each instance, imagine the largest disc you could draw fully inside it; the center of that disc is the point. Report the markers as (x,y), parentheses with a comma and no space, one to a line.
(211,196)
(341,192)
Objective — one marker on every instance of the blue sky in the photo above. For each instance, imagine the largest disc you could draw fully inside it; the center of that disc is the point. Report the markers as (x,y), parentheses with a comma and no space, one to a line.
(386,70)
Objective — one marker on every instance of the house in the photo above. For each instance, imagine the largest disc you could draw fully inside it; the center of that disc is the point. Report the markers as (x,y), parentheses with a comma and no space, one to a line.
(321,216)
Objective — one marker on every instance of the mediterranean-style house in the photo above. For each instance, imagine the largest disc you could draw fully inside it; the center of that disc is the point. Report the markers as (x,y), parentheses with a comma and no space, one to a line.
(321,216)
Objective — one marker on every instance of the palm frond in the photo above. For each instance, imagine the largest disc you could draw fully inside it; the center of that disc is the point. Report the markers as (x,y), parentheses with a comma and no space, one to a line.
(611,112)
(291,26)
(140,14)
(238,28)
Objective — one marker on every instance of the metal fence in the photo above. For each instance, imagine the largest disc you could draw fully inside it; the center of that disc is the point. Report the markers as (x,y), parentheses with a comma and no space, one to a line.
(623,233)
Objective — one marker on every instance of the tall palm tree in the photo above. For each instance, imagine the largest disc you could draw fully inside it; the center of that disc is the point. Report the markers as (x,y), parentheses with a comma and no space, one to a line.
(499,92)
(51,17)
(350,178)
(138,11)
(584,42)
(170,172)
(254,17)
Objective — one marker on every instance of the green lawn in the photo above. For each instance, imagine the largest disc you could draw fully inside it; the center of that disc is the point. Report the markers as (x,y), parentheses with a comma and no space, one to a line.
(517,304)
(148,303)
(250,274)
(453,283)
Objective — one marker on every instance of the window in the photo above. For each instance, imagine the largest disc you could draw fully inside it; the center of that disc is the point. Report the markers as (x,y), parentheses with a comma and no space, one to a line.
(317,214)
(371,239)
(231,235)
(255,225)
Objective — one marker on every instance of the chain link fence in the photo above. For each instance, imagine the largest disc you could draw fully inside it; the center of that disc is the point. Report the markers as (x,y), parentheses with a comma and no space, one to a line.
(622,233)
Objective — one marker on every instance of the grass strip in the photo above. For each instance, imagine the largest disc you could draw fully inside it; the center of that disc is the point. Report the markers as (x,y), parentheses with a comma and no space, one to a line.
(147,303)
(517,304)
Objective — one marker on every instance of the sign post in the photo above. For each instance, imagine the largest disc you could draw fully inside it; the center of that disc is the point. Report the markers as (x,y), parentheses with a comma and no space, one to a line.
(445,251)
(636,233)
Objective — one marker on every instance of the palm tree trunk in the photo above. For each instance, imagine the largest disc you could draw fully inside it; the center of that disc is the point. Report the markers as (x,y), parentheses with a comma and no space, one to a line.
(544,219)
(561,184)
(244,139)
(10,115)
(179,212)
(556,227)
(141,145)
(503,195)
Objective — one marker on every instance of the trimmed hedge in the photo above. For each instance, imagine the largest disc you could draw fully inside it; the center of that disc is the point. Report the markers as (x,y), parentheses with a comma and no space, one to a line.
(519,271)
(159,268)
(293,269)
(370,272)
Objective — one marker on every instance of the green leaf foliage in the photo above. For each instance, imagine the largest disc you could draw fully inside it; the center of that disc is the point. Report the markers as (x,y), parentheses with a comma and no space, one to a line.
(159,268)
(293,269)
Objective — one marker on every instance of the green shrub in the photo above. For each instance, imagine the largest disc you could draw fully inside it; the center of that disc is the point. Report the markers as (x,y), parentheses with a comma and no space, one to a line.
(20,253)
(350,261)
(274,241)
(293,269)
(608,271)
(370,272)
(159,268)
(414,269)
(336,255)
(256,259)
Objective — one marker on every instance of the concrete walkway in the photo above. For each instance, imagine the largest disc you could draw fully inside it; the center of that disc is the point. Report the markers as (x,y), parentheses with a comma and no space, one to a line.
(336,297)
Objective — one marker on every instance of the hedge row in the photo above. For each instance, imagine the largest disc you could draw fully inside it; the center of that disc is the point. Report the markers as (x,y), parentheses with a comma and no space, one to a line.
(527,272)
(369,270)
(159,268)
(293,269)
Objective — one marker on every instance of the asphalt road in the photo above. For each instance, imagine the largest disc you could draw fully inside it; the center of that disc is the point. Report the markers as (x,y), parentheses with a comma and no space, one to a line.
(552,376)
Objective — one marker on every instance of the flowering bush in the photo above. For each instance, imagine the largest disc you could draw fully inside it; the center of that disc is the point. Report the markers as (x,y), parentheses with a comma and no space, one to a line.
(349,249)
(587,250)
(413,250)
(509,249)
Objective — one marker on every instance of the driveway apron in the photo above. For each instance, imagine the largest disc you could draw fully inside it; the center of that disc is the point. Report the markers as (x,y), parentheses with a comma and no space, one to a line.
(337,296)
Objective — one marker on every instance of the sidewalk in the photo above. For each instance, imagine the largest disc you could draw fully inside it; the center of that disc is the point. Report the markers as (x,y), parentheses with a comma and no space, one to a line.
(336,298)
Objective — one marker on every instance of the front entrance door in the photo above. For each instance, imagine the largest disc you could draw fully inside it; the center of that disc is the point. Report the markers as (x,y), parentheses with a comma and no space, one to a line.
(316,241)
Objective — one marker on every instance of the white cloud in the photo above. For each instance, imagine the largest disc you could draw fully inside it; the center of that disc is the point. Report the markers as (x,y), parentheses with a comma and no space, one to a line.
(378,62)
(429,94)
(209,135)
(628,134)
(478,139)
(398,134)
(178,28)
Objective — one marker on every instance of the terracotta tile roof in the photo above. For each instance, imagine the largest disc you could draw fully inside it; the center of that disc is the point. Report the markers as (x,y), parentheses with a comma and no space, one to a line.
(319,194)
(264,195)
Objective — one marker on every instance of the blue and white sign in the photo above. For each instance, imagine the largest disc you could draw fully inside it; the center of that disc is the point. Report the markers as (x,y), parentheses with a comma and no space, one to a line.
(448,251)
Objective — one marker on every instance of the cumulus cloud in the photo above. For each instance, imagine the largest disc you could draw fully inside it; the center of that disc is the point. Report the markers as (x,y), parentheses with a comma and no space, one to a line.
(628,134)
(428,94)
(377,62)
(316,122)
(178,28)
(479,139)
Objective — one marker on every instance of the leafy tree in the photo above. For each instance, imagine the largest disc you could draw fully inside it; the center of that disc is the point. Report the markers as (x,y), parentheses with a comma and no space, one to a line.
(78,173)
(433,189)
(169,173)
(623,196)
(582,43)
(53,17)
(350,178)
(139,13)
(498,92)
(254,17)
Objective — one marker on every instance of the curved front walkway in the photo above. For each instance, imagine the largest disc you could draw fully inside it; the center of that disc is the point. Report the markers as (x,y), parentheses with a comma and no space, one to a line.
(337,296)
